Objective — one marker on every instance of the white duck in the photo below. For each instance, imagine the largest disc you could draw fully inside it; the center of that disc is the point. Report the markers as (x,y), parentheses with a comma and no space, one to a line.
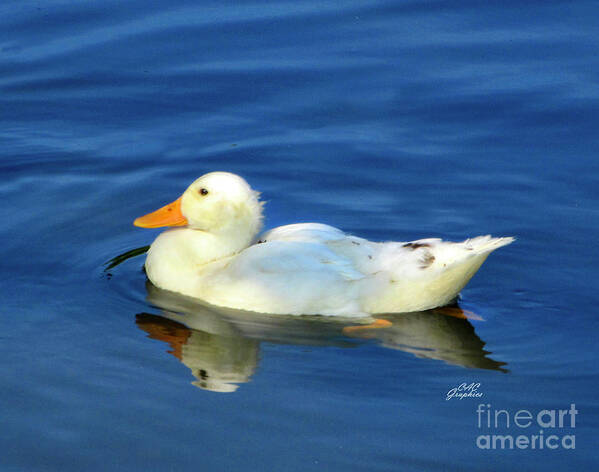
(307,268)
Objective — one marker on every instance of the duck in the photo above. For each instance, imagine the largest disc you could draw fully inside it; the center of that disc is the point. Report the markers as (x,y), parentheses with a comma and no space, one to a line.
(214,250)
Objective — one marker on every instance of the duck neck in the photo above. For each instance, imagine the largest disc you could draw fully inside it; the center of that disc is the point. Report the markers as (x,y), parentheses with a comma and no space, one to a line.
(177,256)
(208,240)
(201,247)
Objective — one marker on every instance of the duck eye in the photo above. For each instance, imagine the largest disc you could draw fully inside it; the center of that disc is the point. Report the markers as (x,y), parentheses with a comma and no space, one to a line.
(203,191)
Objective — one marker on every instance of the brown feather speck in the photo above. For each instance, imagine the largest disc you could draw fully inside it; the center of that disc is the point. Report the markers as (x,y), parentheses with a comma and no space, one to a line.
(416,245)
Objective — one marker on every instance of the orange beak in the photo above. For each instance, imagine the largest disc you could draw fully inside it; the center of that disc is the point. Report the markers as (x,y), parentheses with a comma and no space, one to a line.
(169,215)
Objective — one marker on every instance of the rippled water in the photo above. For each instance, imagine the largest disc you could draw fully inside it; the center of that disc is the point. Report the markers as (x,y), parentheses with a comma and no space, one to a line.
(391,120)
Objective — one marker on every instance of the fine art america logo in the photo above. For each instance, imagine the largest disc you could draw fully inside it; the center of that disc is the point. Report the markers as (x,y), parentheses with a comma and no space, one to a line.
(465,390)
(560,423)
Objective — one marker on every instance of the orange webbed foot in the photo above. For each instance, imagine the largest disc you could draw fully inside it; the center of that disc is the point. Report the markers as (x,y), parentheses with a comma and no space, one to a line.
(458,312)
(376,324)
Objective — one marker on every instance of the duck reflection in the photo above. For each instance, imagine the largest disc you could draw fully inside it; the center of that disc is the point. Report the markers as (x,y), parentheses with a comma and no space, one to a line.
(221,346)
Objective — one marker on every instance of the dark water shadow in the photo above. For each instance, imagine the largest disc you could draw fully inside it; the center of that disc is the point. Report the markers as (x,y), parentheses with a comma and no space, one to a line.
(221,346)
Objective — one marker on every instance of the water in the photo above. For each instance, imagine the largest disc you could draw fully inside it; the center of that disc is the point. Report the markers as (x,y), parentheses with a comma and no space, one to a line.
(393,121)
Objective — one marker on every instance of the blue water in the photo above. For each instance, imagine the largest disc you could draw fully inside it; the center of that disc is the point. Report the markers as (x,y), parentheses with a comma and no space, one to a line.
(391,120)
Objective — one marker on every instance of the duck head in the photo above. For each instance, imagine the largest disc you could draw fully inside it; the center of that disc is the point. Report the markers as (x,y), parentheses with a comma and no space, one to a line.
(219,203)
